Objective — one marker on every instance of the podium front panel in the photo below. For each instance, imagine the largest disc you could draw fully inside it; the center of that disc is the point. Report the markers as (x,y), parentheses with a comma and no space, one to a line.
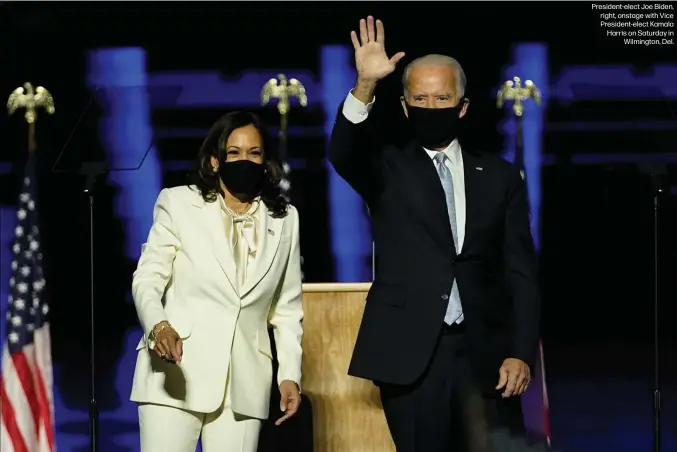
(347,411)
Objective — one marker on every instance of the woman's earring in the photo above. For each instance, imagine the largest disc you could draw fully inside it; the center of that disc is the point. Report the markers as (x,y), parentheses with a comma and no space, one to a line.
(215,169)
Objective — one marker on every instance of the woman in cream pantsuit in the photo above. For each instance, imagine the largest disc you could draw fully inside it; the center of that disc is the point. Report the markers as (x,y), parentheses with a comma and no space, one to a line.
(221,263)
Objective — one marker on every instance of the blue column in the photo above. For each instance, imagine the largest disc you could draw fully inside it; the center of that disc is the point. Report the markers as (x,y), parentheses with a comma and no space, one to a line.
(350,231)
(120,76)
(530,62)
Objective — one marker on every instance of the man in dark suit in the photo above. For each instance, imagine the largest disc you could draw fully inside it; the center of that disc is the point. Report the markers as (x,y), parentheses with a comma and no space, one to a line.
(453,313)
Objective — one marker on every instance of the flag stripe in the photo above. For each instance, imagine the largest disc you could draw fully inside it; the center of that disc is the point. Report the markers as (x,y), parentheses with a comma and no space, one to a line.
(25,373)
(9,422)
(5,438)
(17,398)
(46,414)
(44,403)
(44,441)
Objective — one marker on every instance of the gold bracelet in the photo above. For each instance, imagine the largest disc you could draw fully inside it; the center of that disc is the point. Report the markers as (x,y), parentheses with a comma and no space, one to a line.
(157,330)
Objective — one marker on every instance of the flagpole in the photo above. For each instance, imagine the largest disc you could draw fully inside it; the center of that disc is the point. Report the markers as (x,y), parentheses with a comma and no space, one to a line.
(32,144)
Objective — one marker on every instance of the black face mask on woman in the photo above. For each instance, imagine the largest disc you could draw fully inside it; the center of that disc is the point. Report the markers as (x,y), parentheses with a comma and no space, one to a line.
(242,177)
(435,127)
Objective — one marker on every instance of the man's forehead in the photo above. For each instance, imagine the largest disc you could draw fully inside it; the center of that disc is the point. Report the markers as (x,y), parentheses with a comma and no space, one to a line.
(430,73)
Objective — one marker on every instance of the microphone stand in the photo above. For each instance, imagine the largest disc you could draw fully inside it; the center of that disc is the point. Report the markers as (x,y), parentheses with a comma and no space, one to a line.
(656,175)
(92,170)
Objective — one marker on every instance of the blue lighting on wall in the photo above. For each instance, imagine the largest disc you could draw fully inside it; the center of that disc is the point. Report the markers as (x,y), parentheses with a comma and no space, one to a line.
(350,231)
(126,132)
(530,62)
(120,76)
(608,82)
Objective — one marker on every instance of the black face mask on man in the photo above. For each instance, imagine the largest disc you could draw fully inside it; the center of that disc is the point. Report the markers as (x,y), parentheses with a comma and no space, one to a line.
(435,127)
(242,177)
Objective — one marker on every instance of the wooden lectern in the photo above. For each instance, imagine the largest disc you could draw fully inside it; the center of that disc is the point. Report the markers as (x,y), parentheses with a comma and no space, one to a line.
(347,412)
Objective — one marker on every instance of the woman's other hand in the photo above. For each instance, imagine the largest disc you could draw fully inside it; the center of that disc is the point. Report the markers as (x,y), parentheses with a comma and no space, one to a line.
(168,343)
(290,400)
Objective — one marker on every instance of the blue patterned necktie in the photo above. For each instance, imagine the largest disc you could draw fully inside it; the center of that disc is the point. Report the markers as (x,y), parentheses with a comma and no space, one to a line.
(454,310)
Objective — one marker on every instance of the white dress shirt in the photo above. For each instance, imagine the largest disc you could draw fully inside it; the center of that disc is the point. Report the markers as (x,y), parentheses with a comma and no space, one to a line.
(356,112)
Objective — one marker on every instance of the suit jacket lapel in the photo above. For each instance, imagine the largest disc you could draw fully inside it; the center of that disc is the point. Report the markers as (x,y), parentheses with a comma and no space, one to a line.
(269,235)
(213,218)
(430,198)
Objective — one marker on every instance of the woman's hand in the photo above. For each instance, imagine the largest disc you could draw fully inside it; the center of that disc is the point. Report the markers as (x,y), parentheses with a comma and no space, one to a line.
(290,400)
(168,343)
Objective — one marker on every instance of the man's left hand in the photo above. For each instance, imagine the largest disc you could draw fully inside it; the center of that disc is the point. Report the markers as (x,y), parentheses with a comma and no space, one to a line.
(290,400)
(514,377)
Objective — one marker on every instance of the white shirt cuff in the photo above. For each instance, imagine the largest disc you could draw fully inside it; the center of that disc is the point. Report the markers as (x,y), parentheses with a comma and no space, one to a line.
(354,110)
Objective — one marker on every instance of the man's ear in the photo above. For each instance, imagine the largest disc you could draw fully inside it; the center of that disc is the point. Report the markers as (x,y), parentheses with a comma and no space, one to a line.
(464,109)
(404,106)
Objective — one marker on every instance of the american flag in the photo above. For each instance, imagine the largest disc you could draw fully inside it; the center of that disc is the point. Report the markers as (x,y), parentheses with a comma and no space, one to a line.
(26,398)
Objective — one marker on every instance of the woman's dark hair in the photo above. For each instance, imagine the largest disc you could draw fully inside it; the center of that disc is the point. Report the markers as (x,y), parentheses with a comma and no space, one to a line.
(214,145)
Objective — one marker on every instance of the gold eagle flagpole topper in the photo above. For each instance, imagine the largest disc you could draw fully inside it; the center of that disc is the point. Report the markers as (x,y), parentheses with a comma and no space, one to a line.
(512,90)
(283,89)
(31,100)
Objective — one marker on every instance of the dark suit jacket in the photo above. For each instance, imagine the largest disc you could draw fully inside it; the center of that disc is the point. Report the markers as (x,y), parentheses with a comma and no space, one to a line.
(417,262)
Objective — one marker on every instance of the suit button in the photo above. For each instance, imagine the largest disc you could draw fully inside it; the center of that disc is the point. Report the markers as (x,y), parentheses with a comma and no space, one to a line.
(445,297)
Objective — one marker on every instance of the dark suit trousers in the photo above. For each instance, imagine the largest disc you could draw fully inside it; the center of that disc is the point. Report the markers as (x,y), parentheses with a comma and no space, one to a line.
(442,411)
